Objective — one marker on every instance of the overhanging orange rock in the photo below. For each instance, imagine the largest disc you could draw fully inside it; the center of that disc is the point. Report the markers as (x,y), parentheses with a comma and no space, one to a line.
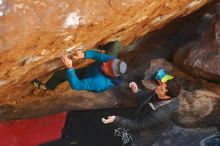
(34,34)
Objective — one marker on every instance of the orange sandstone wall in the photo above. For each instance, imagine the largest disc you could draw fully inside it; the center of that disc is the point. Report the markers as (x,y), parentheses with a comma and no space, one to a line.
(34,34)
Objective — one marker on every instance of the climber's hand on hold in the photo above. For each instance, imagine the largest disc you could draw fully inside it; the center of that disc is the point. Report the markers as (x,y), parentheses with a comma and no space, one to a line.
(67,62)
(79,55)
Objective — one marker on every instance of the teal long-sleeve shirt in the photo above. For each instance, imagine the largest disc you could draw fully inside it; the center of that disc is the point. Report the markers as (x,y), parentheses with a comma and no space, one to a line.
(94,79)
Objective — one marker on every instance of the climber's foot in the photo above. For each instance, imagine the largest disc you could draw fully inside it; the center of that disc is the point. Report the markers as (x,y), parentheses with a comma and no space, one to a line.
(36,83)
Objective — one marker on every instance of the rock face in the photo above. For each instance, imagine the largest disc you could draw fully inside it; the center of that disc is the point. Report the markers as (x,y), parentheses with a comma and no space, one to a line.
(34,34)
(202,57)
(199,100)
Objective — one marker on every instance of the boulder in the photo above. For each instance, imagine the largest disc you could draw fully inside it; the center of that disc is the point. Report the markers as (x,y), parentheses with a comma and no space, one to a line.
(201,58)
(34,34)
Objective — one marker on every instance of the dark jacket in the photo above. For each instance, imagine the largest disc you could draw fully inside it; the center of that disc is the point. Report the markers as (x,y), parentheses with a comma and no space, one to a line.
(149,123)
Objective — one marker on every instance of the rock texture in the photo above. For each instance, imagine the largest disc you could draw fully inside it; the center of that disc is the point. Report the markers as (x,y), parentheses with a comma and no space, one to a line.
(34,34)
(201,58)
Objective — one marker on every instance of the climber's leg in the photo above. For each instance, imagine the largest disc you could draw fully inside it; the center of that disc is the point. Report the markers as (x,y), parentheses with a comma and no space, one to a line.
(57,78)
(112,48)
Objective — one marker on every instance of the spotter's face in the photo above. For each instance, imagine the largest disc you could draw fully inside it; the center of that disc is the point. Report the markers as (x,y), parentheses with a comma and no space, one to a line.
(161,91)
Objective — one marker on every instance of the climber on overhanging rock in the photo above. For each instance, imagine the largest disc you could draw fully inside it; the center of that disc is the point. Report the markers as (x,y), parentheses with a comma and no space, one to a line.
(106,72)
(153,114)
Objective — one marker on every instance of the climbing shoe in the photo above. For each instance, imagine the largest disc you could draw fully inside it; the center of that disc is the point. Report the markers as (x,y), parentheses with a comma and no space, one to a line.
(36,83)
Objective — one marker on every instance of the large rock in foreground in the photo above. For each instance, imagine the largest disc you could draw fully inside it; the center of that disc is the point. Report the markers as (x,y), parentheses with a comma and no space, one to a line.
(202,57)
(34,34)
